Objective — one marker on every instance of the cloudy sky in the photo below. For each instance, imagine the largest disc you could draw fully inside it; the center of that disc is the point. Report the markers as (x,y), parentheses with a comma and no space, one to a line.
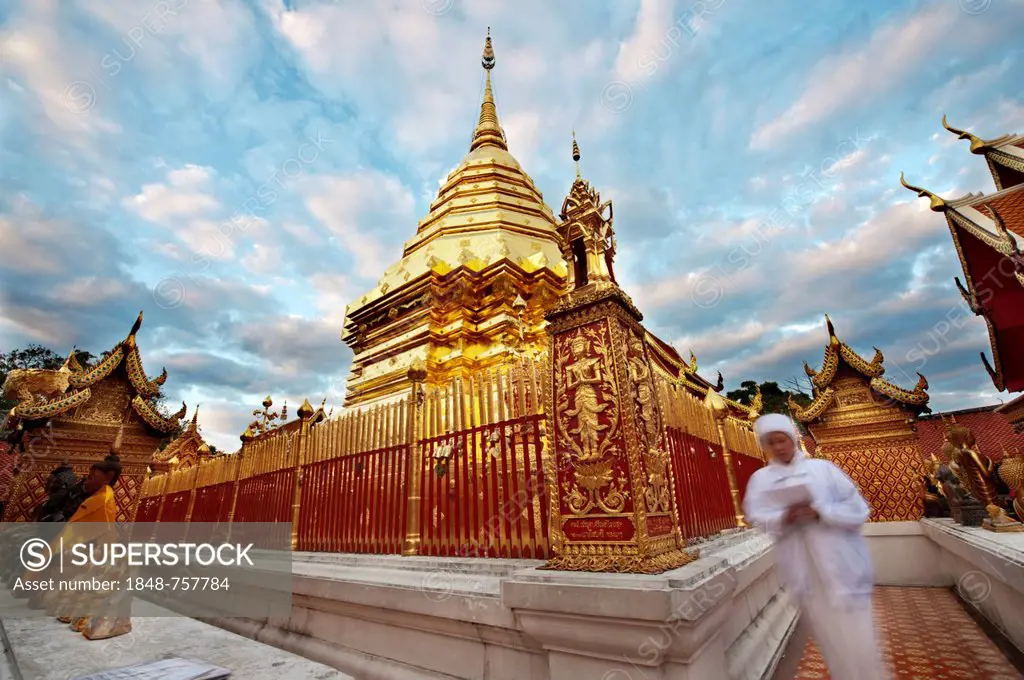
(242,169)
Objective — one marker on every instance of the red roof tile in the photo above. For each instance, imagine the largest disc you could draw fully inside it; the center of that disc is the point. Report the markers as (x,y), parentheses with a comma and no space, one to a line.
(992,431)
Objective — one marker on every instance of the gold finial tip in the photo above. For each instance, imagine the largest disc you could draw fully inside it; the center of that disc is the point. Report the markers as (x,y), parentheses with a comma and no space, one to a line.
(575,148)
(487,61)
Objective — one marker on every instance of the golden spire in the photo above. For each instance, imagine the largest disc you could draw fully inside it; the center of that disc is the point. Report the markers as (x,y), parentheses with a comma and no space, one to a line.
(488,129)
(576,153)
(937,204)
(978,145)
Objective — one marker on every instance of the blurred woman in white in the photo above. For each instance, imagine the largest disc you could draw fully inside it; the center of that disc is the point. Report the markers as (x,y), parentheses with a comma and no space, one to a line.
(819,551)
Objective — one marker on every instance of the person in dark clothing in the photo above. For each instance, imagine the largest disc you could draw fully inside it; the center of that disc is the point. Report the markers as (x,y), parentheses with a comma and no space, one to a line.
(65,492)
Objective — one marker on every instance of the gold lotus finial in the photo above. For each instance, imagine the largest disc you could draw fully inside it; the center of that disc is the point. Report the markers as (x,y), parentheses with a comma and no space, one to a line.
(936,202)
(488,129)
(978,145)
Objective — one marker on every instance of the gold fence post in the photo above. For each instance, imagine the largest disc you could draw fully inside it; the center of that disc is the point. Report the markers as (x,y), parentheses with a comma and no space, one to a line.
(414,431)
(246,438)
(192,497)
(302,443)
(163,496)
(730,472)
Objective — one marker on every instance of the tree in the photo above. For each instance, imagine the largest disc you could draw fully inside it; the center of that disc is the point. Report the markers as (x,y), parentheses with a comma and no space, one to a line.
(774,398)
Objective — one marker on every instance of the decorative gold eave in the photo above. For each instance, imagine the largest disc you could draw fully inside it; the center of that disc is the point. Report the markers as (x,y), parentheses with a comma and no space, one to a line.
(816,408)
(99,371)
(153,418)
(52,408)
(837,350)
(916,397)
(189,436)
(137,374)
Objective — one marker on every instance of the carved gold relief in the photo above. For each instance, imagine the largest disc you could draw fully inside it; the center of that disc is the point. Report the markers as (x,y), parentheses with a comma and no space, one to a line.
(585,395)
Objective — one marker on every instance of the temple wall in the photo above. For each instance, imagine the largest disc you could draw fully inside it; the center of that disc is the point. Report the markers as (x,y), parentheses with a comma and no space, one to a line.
(377,617)
(874,444)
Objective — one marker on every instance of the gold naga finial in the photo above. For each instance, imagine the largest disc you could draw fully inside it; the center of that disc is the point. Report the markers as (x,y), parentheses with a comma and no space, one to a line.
(922,383)
(576,153)
(978,145)
(809,371)
(130,340)
(757,403)
(693,362)
(936,202)
(488,129)
(832,338)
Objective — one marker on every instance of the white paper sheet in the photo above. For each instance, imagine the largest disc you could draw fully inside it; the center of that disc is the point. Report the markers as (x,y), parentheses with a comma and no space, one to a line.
(793,493)
(165,669)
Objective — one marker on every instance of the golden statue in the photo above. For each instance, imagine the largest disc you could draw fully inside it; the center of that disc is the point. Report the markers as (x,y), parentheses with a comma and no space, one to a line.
(583,375)
(1011,471)
(998,520)
(974,469)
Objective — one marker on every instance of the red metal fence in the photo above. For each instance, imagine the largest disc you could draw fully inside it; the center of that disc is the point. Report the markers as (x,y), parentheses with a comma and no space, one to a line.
(460,466)
(702,484)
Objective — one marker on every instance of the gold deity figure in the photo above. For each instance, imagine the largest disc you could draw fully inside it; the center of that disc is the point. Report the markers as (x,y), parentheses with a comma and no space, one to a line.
(975,470)
(584,375)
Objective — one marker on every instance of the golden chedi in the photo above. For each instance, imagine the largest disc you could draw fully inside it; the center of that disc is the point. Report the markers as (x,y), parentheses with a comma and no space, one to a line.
(471,286)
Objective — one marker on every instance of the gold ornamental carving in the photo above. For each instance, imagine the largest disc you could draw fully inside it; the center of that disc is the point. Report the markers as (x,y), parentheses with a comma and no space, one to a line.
(581,398)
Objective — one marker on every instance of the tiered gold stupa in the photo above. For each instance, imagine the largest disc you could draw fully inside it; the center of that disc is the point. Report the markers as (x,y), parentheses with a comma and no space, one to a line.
(473,283)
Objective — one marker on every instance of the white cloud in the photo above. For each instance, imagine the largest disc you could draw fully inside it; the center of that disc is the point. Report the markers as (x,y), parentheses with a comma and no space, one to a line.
(90,290)
(362,209)
(653,21)
(890,55)
(185,194)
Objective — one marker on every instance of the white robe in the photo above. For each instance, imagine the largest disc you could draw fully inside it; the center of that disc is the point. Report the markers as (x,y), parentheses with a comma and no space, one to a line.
(825,565)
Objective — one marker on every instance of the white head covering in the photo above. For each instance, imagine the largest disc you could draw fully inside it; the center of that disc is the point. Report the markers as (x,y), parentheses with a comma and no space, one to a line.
(776,422)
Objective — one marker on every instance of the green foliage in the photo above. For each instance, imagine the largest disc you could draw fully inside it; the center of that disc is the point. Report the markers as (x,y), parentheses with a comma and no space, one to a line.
(775,399)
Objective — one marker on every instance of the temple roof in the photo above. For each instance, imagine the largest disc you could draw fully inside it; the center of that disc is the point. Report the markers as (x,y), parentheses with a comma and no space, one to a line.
(487,210)
(187,449)
(1005,155)
(838,354)
(81,380)
(988,233)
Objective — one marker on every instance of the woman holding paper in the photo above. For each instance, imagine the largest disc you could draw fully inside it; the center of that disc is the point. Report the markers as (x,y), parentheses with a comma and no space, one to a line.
(815,513)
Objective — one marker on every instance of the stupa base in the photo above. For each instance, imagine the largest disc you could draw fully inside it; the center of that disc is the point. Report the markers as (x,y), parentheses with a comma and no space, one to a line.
(623,564)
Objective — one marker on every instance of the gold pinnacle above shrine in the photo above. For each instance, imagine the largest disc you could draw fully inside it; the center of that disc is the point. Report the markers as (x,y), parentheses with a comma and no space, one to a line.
(472,285)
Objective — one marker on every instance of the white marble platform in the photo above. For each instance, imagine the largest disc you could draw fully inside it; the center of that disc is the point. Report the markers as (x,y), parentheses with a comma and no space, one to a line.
(401,618)
(45,649)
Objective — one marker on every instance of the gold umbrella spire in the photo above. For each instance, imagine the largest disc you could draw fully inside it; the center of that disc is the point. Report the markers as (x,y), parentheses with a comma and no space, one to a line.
(488,129)
(576,153)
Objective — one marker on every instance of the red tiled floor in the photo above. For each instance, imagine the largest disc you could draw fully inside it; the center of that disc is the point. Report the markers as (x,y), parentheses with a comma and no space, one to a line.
(925,633)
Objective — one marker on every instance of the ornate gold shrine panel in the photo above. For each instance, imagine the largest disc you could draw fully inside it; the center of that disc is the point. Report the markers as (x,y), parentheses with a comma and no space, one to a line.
(108,405)
(593,473)
(888,473)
